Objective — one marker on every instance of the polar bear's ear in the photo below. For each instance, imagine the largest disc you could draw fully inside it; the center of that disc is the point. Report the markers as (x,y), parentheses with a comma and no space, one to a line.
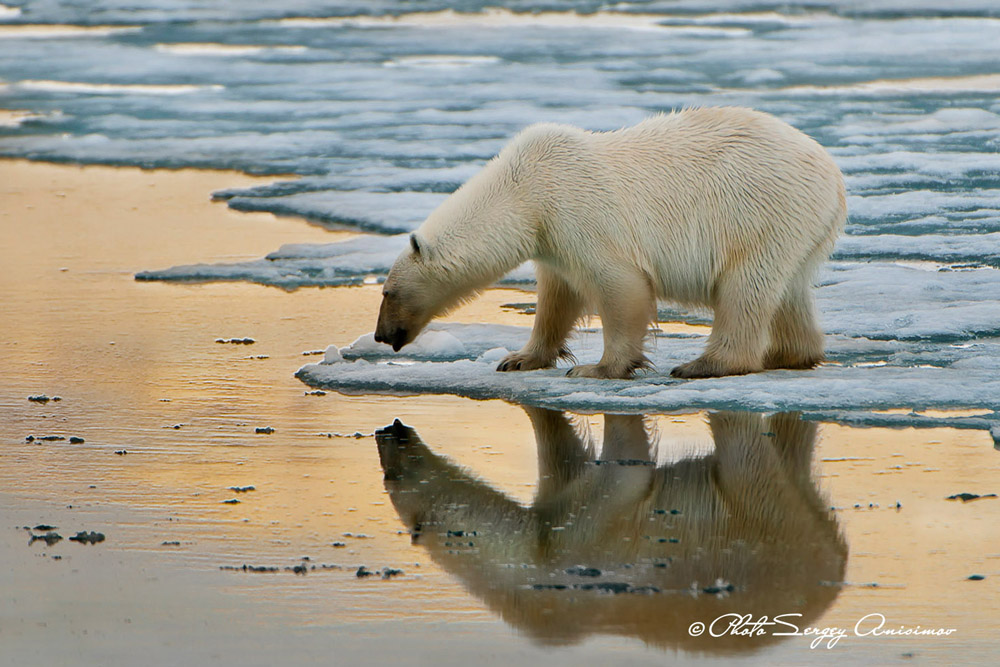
(415,245)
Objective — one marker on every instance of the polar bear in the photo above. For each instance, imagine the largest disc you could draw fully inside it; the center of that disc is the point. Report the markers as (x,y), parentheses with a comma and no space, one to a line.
(722,207)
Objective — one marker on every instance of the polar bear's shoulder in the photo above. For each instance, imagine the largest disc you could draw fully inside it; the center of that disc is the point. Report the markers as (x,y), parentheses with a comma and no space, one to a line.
(544,138)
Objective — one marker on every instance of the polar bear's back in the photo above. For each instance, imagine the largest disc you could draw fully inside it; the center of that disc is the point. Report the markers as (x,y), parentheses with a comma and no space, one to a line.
(688,195)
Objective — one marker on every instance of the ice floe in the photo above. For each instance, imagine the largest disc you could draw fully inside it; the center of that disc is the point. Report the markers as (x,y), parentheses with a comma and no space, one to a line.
(827,390)
(350,262)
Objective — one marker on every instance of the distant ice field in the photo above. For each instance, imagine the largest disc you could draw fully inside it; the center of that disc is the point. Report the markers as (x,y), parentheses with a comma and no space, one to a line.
(369,113)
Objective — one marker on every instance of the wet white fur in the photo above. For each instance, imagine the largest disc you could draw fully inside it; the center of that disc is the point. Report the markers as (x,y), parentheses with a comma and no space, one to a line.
(727,208)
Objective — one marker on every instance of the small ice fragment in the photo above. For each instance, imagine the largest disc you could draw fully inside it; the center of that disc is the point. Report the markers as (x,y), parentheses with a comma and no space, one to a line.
(437,344)
(492,355)
(332,355)
(365,344)
(431,344)
(236,341)
(762,76)
(87,537)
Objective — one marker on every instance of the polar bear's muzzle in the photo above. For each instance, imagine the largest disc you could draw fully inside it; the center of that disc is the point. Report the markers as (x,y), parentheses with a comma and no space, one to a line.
(397,337)
(392,328)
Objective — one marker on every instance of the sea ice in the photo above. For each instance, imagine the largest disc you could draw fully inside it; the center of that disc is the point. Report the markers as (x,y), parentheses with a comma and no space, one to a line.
(824,391)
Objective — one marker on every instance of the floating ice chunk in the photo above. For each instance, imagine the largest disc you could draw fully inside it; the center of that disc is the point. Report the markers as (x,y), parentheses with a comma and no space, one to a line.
(985,83)
(492,18)
(375,248)
(443,61)
(913,202)
(493,355)
(896,302)
(16,118)
(943,121)
(287,275)
(438,344)
(213,49)
(969,248)
(353,262)
(441,341)
(937,164)
(979,362)
(431,344)
(51,31)
(761,75)
(386,213)
(48,85)
(332,355)
(754,18)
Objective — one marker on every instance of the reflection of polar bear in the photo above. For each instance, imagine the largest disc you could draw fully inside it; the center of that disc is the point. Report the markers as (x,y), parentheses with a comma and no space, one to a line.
(721,207)
(621,545)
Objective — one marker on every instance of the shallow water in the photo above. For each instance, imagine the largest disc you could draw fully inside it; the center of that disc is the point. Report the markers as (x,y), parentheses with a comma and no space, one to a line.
(132,360)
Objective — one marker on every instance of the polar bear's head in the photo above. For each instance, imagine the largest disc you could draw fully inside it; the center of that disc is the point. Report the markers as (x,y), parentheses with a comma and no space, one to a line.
(476,235)
(411,296)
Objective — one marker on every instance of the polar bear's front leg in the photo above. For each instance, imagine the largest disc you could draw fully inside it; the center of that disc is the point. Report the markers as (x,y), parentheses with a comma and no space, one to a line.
(559,306)
(627,306)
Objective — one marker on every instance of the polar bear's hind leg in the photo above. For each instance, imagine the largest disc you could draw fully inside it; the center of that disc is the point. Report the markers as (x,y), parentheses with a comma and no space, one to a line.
(796,339)
(744,305)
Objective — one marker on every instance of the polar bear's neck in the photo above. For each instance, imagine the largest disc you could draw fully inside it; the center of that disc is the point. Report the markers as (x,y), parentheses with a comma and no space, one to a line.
(485,229)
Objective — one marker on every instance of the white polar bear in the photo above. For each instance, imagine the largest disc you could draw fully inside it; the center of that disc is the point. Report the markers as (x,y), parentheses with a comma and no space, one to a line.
(727,207)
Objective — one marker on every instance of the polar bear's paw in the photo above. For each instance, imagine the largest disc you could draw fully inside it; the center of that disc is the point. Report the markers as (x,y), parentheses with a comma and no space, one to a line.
(588,371)
(522,361)
(704,367)
(604,372)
